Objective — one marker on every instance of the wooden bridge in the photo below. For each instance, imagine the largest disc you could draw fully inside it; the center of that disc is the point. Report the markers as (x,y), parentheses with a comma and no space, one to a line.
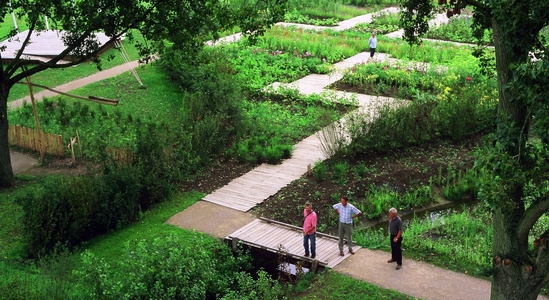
(277,237)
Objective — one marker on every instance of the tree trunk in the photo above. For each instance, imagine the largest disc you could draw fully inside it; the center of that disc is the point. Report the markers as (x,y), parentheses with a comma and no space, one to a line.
(515,274)
(6,172)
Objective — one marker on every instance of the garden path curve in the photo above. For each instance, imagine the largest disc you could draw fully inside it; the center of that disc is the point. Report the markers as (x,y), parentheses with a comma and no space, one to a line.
(416,279)
(231,203)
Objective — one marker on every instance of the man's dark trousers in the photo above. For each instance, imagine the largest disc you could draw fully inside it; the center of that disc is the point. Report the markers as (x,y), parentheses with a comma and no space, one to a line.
(396,250)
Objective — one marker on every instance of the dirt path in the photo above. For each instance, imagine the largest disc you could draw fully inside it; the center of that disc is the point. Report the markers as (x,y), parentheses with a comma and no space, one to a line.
(21,162)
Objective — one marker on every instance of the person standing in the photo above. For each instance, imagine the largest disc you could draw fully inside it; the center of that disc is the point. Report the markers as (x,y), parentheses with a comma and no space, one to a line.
(347,212)
(395,230)
(372,42)
(309,230)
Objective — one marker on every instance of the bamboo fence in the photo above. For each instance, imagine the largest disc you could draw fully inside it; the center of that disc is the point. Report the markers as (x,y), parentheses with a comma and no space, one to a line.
(27,138)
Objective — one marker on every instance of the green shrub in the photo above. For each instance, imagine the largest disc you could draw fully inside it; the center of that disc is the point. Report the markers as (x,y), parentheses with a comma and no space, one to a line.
(67,211)
(264,287)
(167,267)
(379,200)
(320,171)
(339,172)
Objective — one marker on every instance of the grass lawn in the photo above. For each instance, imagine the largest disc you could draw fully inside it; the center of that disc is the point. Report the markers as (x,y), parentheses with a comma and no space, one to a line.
(332,285)
(7,25)
(155,100)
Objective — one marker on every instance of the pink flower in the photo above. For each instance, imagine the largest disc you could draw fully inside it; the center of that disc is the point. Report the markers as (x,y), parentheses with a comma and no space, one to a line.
(468,78)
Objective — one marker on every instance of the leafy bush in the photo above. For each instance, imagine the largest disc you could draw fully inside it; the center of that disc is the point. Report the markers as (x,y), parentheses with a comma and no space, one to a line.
(458,29)
(263,287)
(163,268)
(320,171)
(339,172)
(68,211)
(378,201)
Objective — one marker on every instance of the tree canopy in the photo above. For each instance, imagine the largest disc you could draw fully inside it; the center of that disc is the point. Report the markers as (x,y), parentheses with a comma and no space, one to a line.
(179,24)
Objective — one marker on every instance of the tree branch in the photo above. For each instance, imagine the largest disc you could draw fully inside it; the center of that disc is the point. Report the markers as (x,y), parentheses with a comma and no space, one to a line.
(531,216)
(13,66)
(53,63)
(541,262)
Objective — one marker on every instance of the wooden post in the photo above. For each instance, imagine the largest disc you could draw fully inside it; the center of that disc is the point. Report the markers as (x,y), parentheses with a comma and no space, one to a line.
(36,120)
(234,243)
(314,265)
(71,146)
(78,140)
(309,170)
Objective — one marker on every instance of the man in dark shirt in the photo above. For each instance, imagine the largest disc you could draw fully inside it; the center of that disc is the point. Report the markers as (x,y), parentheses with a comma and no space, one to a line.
(395,229)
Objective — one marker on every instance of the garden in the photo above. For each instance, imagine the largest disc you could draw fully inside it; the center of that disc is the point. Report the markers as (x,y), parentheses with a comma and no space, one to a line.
(203,121)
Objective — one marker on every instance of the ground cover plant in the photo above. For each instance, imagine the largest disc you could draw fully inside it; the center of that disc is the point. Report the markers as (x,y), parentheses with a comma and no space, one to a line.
(124,262)
(338,175)
(327,45)
(367,178)
(458,29)
(406,82)
(322,12)
(453,240)
(336,286)
(382,23)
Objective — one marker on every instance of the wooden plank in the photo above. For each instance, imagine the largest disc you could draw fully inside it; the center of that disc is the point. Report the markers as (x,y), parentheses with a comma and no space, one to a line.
(237,196)
(255,235)
(274,237)
(238,232)
(249,231)
(224,195)
(247,190)
(279,236)
(237,206)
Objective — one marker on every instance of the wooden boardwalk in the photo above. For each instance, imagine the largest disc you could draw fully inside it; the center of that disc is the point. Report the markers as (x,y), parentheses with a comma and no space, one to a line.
(254,187)
(275,237)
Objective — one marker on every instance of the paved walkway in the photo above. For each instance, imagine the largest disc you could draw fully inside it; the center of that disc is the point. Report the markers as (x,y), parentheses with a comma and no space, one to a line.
(416,279)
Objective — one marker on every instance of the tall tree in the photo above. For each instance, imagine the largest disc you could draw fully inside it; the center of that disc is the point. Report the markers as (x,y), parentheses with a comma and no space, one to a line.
(517,161)
(184,24)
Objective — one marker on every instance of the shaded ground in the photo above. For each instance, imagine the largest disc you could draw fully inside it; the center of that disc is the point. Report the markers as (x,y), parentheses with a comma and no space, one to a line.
(27,163)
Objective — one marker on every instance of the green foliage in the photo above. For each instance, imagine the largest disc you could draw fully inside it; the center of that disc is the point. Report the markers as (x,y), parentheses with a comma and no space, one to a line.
(247,288)
(458,29)
(459,241)
(257,67)
(296,17)
(165,267)
(31,282)
(332,285)
(323,12)
(378,201)
(427,51)
(320,170)
(339,172)
(449,115)
(382,22)
(66,212)
(326,45)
